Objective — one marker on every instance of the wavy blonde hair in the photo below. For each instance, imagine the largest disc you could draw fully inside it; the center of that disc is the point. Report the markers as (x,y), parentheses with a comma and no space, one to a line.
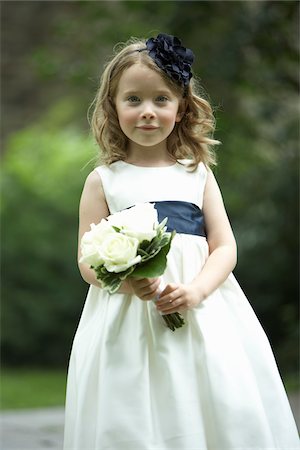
(191,138)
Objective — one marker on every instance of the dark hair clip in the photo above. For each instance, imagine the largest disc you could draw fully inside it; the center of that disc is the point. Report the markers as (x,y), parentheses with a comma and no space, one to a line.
(174,59)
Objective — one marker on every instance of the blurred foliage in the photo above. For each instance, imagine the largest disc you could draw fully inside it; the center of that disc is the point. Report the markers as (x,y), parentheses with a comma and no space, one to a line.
(44,170)
(32,388)
(247,59)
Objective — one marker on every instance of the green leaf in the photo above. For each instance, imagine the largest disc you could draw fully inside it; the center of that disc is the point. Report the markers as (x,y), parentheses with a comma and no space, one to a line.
(111,281)
(161,240)
(142,252)
(144,245)
(163,223)
(153,267)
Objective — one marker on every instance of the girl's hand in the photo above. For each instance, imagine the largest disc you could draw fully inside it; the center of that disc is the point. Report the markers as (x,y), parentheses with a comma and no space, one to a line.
(145,288)
(178,298)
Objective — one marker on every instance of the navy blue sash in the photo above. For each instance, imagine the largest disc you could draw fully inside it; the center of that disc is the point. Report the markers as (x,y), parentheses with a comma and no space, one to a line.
(184,217)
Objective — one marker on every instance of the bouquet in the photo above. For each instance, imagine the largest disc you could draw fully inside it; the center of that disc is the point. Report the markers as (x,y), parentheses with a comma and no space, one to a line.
(129,243)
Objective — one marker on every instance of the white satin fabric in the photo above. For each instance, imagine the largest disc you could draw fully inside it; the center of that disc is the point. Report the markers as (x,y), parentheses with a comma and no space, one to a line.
(133,384)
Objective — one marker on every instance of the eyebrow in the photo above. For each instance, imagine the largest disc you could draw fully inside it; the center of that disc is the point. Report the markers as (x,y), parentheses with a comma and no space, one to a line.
(158,92)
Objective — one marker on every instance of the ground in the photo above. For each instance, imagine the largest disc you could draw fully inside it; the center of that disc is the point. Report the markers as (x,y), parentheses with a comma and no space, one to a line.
(43,429)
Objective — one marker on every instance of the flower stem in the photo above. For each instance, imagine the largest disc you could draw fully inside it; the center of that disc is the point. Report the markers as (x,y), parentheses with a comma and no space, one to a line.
(173,321)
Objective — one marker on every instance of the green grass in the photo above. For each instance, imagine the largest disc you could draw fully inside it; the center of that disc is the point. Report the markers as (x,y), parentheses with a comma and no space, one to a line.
(41,388)
(32,388)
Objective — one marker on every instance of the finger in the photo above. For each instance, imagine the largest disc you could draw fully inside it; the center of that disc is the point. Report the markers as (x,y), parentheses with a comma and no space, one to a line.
(141,283)
(176,306)
(149,292)
(150,289)
(140,288)
(168,289)
(144,282)
(148,296)
(173,311)
(168,298)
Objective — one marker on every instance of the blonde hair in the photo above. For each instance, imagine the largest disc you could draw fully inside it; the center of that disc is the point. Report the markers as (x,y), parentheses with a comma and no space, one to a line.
(191,138)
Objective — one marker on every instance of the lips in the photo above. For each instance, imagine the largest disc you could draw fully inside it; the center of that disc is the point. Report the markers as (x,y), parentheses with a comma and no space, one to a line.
(147,127)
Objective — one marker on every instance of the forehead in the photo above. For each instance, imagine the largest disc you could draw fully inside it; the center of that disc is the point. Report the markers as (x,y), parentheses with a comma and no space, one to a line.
(141,77)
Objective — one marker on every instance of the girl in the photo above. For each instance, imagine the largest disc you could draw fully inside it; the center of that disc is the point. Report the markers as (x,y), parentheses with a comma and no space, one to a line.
(133,384)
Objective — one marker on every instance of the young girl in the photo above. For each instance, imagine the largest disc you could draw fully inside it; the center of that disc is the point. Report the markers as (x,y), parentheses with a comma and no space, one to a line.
(133,384)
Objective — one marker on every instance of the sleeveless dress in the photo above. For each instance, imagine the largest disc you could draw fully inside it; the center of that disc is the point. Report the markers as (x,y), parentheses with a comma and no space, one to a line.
(133,384)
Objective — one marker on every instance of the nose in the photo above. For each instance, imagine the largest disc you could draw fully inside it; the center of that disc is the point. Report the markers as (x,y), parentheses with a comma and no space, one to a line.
(148,111)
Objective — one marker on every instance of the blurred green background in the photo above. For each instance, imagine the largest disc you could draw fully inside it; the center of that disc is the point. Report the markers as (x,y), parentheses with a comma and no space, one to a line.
(52,55)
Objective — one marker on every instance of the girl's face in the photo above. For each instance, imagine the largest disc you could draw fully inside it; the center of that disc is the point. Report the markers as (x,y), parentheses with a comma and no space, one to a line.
(147,109)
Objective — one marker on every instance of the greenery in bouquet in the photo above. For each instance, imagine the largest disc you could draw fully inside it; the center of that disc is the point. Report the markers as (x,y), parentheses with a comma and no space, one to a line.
(129,243)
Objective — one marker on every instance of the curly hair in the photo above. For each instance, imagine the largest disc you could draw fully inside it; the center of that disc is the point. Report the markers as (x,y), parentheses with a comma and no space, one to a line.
(191,138)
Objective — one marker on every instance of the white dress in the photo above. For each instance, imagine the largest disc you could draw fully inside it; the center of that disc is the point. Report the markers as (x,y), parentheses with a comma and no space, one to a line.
(133,384)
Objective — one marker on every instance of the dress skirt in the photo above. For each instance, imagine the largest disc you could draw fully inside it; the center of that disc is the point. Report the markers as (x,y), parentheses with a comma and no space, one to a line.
(213,384)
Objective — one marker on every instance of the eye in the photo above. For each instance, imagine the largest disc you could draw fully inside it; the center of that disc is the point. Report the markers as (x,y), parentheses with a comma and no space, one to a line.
(161,99)
(133,99)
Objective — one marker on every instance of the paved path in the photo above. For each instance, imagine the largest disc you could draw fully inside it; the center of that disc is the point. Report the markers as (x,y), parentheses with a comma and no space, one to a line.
(36,429)
(43,429)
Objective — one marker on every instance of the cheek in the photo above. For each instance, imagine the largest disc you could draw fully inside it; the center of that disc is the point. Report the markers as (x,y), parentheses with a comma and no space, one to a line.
(169,117)
(127,117)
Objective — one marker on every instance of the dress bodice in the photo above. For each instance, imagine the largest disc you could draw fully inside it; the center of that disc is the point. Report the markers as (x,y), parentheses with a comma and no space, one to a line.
(125,184)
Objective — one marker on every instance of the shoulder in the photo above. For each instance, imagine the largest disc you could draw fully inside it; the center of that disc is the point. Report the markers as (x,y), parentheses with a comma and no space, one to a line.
(186,163)
(100,173)
(212,189)
(199,172)
(105,170)
(93,179)
(93,201)
(93,184)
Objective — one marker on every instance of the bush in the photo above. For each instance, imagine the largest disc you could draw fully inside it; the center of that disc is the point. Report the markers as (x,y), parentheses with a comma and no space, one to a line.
(43,174)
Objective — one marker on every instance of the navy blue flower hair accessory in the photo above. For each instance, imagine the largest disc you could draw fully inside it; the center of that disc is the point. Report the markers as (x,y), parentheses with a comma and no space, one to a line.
(174,59)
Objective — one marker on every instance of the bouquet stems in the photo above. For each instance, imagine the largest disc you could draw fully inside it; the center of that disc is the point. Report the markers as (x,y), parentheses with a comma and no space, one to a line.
(173,321)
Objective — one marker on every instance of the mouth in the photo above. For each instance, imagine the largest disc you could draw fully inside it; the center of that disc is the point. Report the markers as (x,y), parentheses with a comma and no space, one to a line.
(147,128)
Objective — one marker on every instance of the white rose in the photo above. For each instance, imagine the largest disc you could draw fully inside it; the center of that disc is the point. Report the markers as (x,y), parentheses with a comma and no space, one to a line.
(91,242)
(119,252)
(139,221)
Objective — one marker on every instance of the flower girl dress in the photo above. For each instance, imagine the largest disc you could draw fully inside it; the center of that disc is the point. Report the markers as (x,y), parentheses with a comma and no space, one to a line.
(133,384)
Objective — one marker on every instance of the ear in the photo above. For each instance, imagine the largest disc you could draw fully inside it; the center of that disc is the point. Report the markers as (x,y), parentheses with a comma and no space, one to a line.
(181,111)
(179,116)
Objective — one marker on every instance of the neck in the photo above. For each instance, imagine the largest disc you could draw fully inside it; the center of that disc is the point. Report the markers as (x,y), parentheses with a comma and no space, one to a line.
(149,156)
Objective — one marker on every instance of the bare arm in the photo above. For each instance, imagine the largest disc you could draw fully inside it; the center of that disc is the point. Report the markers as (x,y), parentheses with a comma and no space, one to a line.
(220,263)
(92,209)
(222,246)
